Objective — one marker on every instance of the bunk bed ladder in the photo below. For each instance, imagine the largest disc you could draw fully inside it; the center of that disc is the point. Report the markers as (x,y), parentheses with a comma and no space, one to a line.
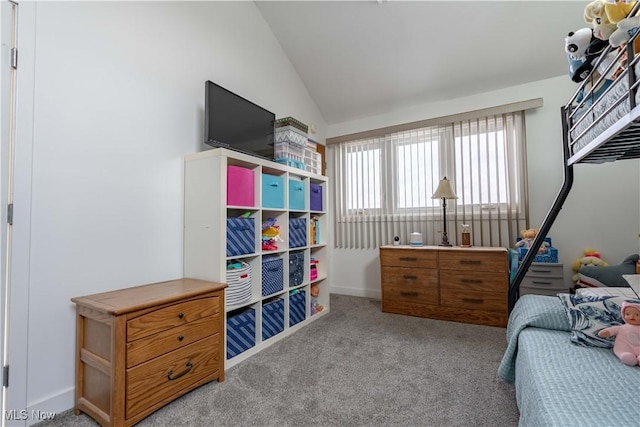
(514,286)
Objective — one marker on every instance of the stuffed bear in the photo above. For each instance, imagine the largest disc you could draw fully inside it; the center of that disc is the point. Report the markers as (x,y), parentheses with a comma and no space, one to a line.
(583,49)
(527,237)
(627,342)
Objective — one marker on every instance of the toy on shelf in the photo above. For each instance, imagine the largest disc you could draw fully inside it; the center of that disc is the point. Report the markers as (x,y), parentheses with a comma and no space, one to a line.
(313,269)
(314,230)
(626,345)
(315,306)
(546,252)
(270,235)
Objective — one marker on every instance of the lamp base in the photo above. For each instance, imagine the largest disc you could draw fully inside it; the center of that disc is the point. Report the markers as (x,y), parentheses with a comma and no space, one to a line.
(444,244)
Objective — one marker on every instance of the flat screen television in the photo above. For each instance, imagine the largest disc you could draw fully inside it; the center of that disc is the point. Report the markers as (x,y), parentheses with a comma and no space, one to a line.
(233,122)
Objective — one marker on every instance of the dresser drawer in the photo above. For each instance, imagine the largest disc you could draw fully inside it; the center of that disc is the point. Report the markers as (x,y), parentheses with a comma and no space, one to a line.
(485,301)
(473,261)
(465,281)
(410,285)
(169,374)
(171,339)
(171,316)
(412,258)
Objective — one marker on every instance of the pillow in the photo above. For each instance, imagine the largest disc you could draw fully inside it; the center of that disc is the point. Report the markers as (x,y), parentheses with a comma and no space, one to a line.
(612,292)
(611,275)
(588,315)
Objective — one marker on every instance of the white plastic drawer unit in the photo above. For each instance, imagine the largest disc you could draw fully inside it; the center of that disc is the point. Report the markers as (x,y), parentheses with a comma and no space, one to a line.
(544,279)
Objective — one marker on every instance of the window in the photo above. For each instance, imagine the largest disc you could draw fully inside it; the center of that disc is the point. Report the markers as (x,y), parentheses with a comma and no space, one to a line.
(383,185)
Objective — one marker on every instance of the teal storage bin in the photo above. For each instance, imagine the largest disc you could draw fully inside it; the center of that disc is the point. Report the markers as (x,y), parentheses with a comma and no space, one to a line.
(272,191)
(296,195)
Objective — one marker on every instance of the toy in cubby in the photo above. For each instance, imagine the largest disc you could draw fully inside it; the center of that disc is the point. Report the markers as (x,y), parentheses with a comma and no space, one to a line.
(313,269)
(546,252)
(270,235)
(314,230)
(316,307)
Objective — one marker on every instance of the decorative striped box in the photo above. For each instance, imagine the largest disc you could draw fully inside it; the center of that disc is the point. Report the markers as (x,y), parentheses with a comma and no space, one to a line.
(296,268)
(297,311)
(240,236)
(241,331)
(272,275)
(297,232)
(272,318)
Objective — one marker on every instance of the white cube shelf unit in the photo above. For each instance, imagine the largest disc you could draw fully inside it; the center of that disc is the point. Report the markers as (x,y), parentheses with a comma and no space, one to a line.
(211,199)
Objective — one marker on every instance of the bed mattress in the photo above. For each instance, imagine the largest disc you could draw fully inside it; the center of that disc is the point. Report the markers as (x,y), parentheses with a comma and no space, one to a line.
(603,121)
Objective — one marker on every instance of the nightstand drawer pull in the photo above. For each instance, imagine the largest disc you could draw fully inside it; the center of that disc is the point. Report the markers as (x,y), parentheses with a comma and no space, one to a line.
(189,365)
(470,261)
(473,300)
(410,277)
(409,294)
(533,270)
(408,258)
(471,280)
(538,282)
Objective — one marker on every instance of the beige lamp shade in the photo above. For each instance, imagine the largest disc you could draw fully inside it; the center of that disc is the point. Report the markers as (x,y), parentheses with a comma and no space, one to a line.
(444,190)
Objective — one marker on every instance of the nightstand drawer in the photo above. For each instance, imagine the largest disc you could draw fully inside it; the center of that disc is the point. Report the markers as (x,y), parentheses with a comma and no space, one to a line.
(171,316)
(412,258)
(170,373)
(541,269)
(473,261)
(545,283)
(485,301)
(465,281)
(163,342)
(410,285)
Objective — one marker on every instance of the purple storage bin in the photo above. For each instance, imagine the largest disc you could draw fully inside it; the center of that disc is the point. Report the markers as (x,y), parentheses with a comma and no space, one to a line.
(315,202)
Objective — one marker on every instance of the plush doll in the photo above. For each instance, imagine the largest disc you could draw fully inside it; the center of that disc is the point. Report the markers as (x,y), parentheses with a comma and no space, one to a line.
(583,49)
(627,28)
(608,275)
(315,305)
(590,258)
(595,14)
(527,237)
(627,342)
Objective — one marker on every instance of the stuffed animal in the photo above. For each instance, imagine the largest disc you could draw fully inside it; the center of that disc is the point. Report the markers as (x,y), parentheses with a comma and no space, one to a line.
(608,275)
(627,342)
(583,49)
(315,305)
(590,258)
(595,14)
(626,29)
(527,238)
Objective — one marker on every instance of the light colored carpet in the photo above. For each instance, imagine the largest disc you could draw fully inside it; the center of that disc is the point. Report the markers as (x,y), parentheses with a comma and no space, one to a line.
(356,366)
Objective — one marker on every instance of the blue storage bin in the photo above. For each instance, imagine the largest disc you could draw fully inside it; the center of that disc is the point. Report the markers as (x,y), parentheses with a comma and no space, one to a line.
(241,235)
(297,311)
(550,256)
(241,331)
(315,198)
(297,232)
(272,275)
(296,195)
(272,318)
(296,268)
(272,191)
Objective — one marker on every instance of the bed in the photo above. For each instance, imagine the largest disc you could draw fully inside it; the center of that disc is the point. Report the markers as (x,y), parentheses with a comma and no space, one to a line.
(559,383)
(598,126)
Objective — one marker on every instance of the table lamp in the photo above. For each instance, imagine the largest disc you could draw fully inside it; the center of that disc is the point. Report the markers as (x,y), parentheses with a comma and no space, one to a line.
(444,192)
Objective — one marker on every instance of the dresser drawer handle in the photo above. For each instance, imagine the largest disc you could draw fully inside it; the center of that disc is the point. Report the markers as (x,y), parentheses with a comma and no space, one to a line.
(471,280)
(470,261)
(408,258)
(170,375)
(180,337)
(180,315)
(409,294)
(406,276)
(473,300)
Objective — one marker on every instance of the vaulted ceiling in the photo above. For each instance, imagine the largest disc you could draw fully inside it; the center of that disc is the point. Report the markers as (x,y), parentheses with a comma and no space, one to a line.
(362,58)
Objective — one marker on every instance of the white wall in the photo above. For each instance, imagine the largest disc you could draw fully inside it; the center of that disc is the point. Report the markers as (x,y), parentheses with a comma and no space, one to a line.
(118,91)
(600,212)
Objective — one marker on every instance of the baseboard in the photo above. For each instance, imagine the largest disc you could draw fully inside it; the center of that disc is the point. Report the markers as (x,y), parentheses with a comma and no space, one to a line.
(48,408)
(355,292)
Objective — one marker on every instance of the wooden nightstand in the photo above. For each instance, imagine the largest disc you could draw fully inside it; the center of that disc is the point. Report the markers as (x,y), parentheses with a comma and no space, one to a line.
(461,284)
(138,349)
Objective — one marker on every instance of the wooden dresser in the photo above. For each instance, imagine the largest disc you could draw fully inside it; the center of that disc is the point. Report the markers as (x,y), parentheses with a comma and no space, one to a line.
(449,283)
(138,349)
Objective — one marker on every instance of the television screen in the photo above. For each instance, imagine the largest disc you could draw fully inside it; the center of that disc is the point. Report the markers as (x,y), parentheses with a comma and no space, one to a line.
(234,122)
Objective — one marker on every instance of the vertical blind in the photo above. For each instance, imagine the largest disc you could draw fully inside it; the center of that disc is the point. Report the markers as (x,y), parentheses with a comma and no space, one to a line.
(383,185)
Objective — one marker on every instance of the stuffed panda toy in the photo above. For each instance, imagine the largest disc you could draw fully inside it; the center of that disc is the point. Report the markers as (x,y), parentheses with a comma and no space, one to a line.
(582,48)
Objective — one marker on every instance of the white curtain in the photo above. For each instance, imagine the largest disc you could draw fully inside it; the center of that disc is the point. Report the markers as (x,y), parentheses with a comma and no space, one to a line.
(382,185)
